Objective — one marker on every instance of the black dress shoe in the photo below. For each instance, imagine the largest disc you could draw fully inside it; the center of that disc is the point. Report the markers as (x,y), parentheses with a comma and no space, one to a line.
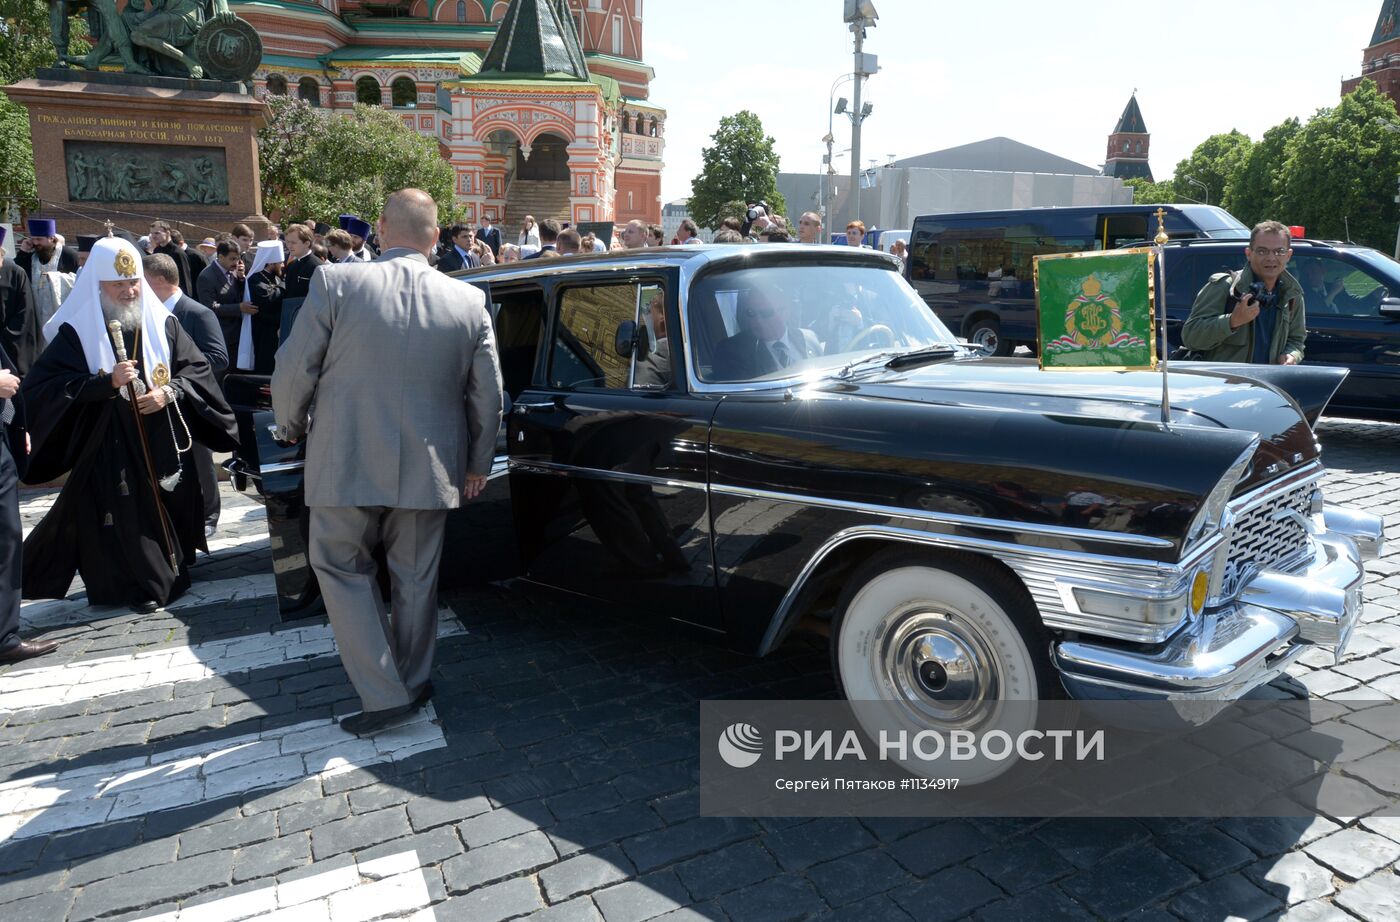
(145,608)
(27,649)
(368,723)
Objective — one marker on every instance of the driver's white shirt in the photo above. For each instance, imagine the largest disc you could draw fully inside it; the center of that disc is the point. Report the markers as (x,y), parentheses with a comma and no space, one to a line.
(795,354)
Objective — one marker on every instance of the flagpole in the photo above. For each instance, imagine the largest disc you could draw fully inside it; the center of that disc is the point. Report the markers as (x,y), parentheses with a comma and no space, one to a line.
(1161,300)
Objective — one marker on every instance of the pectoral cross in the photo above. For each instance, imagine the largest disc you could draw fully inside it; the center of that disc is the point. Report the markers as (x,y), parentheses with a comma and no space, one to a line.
(109,225)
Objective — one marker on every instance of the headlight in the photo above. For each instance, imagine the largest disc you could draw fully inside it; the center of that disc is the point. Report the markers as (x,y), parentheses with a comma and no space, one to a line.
(1213,509)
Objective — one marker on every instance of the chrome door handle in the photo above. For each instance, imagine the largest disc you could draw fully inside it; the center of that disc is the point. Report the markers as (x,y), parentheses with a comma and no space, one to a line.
(527,407)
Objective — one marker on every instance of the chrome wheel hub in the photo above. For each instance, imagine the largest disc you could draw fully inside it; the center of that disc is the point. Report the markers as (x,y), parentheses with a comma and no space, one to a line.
(939,667)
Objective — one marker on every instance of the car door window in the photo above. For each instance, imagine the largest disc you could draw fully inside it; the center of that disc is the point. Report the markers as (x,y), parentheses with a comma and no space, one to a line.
(1337,287)
(606,336)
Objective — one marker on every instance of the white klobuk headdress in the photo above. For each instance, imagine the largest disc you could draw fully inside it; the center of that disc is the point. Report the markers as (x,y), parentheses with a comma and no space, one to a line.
(114,259)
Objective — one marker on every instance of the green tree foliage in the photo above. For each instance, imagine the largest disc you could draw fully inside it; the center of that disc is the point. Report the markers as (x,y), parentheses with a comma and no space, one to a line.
(317,164)
(1146,192)
(26,44)
(1253,194)
(741,164)
(1213,164)
(1341,171)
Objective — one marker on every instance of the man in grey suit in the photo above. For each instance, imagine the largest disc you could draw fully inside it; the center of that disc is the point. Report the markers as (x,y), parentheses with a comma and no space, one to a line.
(376,369)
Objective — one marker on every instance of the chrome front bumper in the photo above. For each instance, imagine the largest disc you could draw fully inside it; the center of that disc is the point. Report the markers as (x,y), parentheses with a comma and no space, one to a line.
(1225,652)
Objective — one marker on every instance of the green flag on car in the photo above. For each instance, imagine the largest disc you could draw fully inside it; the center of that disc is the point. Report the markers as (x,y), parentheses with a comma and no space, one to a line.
(1096,310)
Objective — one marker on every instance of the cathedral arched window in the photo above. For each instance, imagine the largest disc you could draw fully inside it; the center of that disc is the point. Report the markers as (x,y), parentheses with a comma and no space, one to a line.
(404,92)
(276,85)
(309,90)
(461,10)
(367,91)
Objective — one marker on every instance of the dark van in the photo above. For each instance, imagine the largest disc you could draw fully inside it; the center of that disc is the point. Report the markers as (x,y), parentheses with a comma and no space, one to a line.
(974,268)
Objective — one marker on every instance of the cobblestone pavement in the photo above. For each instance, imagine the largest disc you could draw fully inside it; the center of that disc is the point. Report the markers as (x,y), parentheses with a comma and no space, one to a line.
(184,765)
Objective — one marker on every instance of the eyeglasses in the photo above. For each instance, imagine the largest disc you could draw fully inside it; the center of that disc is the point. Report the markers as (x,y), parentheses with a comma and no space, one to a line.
(1261,252)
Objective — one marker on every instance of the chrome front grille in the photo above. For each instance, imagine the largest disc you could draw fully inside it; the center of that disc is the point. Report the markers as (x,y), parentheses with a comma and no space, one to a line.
(1269,534)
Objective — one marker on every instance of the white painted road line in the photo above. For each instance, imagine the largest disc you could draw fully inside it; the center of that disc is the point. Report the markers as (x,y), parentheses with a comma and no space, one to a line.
(281,757)
(52,613)
(390,887)
(112,675)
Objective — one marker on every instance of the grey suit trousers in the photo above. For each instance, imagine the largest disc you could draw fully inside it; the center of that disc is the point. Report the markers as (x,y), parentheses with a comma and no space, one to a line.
(389,657)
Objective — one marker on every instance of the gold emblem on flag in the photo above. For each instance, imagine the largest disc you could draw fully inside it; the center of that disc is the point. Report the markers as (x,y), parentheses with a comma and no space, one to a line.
(1093,318)
(125,264)
(160,375)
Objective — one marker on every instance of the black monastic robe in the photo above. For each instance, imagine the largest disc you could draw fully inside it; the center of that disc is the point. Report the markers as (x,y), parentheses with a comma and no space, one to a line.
(104,524)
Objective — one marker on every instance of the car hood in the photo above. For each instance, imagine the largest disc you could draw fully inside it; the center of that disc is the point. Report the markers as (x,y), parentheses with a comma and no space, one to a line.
(1209,398)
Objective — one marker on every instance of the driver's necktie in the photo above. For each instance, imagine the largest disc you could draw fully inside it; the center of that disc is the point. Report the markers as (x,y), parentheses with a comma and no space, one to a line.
(780,352)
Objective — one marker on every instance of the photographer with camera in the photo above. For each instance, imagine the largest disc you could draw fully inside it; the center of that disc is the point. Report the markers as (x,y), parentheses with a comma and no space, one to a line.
(756,219)
(1255,314)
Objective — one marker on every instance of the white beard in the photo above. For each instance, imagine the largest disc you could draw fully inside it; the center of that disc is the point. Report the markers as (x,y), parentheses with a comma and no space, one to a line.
(129,315)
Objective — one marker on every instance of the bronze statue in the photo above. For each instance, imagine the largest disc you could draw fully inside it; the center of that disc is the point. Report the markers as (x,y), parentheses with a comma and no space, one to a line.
(149,36)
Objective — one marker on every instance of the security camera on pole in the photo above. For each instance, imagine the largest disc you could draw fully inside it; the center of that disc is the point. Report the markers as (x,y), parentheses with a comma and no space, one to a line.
(860,14)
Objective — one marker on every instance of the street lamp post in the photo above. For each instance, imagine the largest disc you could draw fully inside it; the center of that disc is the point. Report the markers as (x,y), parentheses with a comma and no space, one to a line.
(859,14)
(829,140)
(1205,190)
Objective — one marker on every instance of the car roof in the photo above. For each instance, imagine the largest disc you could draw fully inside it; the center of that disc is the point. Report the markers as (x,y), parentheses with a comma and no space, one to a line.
(1066,209)
(1236,241)
(692,257)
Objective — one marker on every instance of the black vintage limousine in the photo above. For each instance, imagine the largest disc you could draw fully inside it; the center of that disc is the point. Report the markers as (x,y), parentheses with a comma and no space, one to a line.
(743,438)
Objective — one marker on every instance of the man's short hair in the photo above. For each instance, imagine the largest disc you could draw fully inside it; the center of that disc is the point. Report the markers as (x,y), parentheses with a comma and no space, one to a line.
(728,235)
(298,231)
(811,216)
(227,246)
(549,230)
(1270,227)
(569,239)
(242,230)
(857,224)
(160,226)
(656,233)
(340,238)
(162,267)
(733,224)
(691,227)
(457,229)
(176,237)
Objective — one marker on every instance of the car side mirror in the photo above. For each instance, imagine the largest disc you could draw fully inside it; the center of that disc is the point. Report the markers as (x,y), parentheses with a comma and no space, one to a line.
(1390,307)
(626,339)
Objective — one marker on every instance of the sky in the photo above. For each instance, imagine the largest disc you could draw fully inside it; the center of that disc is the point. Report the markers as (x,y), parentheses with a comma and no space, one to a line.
(1052,75)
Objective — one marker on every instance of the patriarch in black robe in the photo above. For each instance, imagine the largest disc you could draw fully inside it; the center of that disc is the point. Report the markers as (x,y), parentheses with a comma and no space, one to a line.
(127,520)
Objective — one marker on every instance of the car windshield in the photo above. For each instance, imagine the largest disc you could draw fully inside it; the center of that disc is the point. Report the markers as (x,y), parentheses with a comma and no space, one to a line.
(1215,222)
(772,322)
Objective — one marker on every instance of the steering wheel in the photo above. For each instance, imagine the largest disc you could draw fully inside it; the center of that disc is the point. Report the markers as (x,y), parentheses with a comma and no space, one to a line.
(875,329)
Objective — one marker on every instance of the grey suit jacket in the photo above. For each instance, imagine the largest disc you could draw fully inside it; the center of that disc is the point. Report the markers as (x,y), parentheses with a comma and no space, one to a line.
(378,364)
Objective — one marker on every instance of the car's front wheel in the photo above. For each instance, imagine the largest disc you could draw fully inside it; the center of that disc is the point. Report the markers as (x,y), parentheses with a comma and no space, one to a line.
(942,642)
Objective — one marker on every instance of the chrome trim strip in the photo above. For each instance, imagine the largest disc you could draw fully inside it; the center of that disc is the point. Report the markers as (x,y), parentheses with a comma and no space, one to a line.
(948,518)
(1365,528)
(555,469)
(282,467)
(1039,564)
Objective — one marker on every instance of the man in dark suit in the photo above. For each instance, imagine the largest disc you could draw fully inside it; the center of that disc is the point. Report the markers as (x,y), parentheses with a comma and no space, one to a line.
(490,236)
(301,262)
(549,237)
(765,342)
(162,275)
(220,287)
(459,255)
(13,649)
(162,242)
(16,302)
(44,254)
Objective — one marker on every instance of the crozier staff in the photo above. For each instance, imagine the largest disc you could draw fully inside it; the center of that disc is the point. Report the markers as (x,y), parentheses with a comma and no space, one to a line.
(132,498)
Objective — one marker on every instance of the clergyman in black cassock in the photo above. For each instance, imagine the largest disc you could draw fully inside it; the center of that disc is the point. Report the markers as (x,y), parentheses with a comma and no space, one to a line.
(124,512)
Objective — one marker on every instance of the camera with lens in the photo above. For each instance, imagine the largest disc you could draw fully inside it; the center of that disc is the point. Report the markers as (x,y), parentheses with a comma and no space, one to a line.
(1265,299)
(756,210)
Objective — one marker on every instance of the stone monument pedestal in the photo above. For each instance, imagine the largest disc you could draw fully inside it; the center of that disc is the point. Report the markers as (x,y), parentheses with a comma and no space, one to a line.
(134,149)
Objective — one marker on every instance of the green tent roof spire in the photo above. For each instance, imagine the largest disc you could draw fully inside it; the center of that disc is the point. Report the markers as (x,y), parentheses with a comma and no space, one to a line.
(536,37)
(1387,23)
(1130,122)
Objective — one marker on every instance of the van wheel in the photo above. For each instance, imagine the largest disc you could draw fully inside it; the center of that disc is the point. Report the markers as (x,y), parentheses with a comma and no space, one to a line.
(942,642)
(985,334)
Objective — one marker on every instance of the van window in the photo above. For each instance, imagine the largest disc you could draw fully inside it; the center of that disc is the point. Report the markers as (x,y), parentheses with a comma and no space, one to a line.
(1118,229)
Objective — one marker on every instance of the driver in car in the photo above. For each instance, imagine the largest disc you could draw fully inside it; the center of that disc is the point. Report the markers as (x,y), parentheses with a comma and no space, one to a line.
(766,341)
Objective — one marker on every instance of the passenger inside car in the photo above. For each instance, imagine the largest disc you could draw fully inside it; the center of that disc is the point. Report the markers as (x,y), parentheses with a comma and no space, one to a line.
(765,342)
(655,370)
